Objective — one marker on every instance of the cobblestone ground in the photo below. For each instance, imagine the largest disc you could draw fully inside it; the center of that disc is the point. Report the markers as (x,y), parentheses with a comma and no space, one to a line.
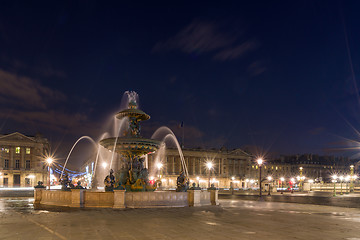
(234,219)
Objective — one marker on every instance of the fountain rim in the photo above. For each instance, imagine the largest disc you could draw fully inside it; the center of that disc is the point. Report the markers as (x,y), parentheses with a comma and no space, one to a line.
(133,112)
(150,145)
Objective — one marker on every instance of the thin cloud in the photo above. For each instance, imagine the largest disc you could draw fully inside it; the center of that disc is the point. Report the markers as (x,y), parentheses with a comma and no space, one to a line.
(202,37)
(24,91)
(256,68)
(198,37)
(236,52)
(54,120)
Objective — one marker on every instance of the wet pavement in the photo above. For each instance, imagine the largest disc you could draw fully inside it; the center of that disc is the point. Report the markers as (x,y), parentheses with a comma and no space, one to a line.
(318,198)
(233,219)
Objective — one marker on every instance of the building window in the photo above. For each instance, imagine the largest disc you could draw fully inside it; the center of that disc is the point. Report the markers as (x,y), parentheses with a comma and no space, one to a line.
(27,150)
(6,150)
(17,164)
(17,150)
(27,166)
(6,163)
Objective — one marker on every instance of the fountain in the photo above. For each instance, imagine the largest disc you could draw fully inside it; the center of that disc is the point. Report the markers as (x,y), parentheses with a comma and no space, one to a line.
(132,148)
(128,185)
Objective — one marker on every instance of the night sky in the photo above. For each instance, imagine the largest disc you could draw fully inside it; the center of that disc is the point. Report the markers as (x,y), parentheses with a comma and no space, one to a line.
(281,75)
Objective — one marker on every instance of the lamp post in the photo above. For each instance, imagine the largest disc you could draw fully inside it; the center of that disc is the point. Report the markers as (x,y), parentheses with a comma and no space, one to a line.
(232,185)
(301,178)
(282,184)
(347,179)
(49,161)
(341,178)
(310,182)
(159,166)
(269,179)
(351,178)
(209,165)
(334,177)
(260,162)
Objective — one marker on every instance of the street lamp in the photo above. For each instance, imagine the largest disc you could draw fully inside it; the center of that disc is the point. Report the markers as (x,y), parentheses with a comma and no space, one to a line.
(352,178)
(301,178)
(310,182)
(347,179)
(282,184)
(159,165)
(334,177)
(49,161)
(341,178)
(260,162)
(104,165)
(269,178)
(209,165)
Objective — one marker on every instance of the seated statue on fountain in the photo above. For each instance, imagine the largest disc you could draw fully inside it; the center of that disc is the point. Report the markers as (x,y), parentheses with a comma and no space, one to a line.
(78,186)
(194,187)
(40,185)
(109,181)
(182,183)
(65,182)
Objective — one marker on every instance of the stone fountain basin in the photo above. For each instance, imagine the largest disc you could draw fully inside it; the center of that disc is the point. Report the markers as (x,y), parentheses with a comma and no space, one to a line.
(131,146)
(81,198)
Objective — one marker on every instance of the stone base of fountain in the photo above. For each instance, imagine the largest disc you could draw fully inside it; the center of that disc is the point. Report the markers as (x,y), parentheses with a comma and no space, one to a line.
(81,198)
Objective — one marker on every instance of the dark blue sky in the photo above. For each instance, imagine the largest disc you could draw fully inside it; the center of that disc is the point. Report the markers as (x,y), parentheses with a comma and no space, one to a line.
(281,75)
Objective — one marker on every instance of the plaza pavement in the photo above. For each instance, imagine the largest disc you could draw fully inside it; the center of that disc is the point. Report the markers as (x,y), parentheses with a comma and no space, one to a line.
(233,219)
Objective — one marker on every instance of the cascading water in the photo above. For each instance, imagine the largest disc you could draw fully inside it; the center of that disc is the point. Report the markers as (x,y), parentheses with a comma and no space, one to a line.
(170,135)
(122,123)
(98,153)
(83,137)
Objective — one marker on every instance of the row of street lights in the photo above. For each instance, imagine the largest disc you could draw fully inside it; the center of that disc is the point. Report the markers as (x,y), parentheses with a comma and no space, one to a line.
(347,179)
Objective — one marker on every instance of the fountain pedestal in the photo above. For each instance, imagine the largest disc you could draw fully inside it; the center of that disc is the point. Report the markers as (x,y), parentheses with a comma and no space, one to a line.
(214,197)
(119,199)
(37,195)
(77,198)
(198,198)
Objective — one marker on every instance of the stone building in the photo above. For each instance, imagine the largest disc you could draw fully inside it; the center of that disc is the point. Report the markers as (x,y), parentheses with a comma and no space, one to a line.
(228,166)
(236,168)
(22,160)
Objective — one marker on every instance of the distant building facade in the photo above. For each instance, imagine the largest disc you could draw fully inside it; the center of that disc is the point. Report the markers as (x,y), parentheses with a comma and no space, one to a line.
(226,165)
(22,160)
(238,169)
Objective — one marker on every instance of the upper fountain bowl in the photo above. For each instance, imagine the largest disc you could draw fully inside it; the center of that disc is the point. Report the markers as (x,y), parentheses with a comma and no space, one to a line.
(133,112)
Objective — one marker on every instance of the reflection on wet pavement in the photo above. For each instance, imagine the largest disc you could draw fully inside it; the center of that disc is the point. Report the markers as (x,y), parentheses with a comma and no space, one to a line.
(233,219)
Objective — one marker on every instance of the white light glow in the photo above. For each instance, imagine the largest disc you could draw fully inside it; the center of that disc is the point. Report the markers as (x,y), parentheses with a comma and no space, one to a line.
(159,165)
(104,164)
(49,160)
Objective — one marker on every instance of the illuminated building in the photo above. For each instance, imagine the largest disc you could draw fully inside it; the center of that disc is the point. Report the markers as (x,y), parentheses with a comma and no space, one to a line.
(22,160)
